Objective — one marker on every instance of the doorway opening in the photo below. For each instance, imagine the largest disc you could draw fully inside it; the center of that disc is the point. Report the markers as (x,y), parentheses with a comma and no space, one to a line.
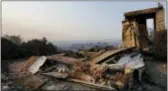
(150,28)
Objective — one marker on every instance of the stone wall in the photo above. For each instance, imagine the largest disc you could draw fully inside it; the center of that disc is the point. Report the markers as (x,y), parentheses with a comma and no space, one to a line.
(159,19)
(135,32)
(160,38)
(128,35)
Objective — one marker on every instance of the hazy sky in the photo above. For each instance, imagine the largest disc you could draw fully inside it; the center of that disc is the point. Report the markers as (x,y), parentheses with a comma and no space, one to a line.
(56,20)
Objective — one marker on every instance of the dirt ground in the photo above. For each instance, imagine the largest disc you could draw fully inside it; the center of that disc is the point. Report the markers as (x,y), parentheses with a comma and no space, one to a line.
(157,71)
(155,76)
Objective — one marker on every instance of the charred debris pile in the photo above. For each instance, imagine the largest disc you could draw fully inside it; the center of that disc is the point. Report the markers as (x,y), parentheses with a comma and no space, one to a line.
(107,70)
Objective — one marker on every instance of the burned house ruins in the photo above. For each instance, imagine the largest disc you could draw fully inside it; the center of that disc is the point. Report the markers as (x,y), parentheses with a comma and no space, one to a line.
(112,69)
(135,33)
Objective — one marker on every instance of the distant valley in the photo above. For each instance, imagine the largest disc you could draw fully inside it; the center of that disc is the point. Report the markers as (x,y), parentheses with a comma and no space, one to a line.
(81,44)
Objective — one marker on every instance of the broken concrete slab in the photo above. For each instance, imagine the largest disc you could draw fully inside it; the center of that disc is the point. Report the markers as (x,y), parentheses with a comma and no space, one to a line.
(28,63)
(37,64)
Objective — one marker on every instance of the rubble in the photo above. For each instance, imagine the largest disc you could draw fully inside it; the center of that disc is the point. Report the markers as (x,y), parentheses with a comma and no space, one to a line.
(30,82)
(95,74)
(57,85)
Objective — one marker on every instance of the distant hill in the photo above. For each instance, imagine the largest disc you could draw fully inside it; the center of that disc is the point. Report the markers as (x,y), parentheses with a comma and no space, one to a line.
(80,44)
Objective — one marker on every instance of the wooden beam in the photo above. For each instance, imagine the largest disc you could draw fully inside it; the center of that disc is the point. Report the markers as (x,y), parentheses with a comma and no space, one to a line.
(92,85)
(109,54)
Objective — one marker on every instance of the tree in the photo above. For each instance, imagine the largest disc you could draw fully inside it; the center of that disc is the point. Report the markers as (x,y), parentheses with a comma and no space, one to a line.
(13,47)
(38,47)
(15,39)
(9,49)
(44,40)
